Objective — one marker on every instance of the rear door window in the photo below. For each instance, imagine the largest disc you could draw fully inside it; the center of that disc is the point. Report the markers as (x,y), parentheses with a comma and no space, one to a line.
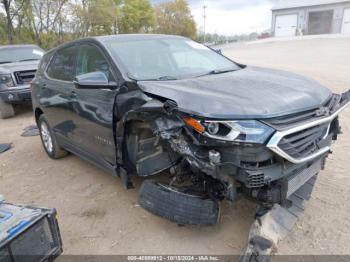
(62,66)
(90,59)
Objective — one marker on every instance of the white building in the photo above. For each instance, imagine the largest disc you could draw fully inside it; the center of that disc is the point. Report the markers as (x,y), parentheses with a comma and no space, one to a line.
(308,17)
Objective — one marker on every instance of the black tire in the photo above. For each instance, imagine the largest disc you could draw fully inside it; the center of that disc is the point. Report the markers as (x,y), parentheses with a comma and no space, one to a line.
(177,207)
(54,151)
(6,110)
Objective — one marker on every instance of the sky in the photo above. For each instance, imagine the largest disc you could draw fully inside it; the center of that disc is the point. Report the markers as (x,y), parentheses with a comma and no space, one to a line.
(230,17)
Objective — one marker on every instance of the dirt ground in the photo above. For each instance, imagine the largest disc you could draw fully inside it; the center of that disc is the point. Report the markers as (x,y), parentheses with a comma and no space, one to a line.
(98,216)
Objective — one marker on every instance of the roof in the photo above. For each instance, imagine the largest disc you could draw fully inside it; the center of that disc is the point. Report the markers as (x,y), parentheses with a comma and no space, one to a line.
(285,4)
(131,37)
(120,37)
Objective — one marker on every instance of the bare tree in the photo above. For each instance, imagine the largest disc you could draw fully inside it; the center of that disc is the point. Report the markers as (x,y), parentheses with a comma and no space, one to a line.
(46,17)
(12,10)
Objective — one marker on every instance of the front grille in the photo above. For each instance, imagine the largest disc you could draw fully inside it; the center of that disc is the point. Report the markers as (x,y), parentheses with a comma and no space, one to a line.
(305,142)
(292,120)
(24,77)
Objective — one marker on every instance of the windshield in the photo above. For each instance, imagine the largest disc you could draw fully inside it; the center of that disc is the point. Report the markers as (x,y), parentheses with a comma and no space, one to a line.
(168,59)
(16,54)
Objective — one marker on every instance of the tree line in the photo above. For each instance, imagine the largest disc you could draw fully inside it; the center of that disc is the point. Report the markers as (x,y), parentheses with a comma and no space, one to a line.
(52,22)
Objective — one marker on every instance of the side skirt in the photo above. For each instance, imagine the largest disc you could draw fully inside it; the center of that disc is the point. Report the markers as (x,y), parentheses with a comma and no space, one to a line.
(91,158)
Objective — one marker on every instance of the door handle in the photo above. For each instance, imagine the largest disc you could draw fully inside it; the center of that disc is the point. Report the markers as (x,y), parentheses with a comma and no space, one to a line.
(73,94)
(44,86)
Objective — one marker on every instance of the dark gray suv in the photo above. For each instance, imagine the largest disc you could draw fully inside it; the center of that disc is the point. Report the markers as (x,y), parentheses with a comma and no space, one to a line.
(18,65)
(141,105)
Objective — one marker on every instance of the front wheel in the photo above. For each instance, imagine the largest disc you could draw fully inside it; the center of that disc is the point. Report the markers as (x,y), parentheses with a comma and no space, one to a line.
(178,206)
(49,141)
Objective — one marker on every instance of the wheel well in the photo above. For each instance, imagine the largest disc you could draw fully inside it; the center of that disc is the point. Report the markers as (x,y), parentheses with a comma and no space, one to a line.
(38,113)
(131,127)
(144,152)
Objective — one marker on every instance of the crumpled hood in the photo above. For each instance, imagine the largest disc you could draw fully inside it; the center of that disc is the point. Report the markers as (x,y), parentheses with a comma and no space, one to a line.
(18,66)
(250,93)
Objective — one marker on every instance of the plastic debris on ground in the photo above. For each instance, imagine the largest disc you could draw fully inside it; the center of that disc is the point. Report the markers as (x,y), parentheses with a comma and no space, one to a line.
(4,147)
(274,224)
(31,130)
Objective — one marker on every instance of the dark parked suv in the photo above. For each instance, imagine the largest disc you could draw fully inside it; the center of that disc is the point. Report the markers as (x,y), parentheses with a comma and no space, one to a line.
(18,64)
(138,105)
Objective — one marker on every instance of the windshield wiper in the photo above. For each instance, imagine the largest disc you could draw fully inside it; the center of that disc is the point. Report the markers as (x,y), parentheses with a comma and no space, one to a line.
(216,72)
(162,78)
(29,59)
(166,78)
(5,62)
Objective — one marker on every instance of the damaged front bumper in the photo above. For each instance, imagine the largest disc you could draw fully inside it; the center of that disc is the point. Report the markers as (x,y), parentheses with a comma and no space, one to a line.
(270,172)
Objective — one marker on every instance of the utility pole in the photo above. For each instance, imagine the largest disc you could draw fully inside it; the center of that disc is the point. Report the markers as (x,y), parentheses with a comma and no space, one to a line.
(204,20)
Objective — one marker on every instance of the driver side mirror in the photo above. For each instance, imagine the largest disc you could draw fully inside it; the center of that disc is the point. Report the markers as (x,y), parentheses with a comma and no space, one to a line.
(93,80)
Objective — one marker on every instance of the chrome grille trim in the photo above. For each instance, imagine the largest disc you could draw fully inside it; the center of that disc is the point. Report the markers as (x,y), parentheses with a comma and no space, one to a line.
(289,121)
(304,143)
(279,135)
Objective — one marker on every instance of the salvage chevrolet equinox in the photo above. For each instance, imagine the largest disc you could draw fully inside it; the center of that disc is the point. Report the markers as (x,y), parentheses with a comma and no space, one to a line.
(141,105)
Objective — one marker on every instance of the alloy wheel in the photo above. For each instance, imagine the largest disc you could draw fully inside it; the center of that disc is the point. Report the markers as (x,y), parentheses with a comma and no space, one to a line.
(46,136)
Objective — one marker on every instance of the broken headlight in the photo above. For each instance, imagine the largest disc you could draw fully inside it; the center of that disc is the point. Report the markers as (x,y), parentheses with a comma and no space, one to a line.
(6,80)
(249,131)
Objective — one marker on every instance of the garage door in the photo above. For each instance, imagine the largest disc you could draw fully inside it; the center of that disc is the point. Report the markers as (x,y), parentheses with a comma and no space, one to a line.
(286,25)
(320,22)
(346,22)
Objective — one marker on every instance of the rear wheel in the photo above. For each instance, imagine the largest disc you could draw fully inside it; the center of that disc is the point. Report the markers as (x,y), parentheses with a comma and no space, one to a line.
(176,205)
(49,141)
(6,110)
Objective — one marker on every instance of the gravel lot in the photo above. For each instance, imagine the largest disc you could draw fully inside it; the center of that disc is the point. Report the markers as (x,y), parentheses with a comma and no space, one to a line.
(97,216)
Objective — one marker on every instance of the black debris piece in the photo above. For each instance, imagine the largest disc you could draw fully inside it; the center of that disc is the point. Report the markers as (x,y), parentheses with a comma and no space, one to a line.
(261,242)
(273,224)
(31,130)
(4,147)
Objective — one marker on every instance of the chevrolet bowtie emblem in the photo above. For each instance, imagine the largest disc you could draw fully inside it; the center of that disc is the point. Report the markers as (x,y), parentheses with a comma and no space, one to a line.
(323,111)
